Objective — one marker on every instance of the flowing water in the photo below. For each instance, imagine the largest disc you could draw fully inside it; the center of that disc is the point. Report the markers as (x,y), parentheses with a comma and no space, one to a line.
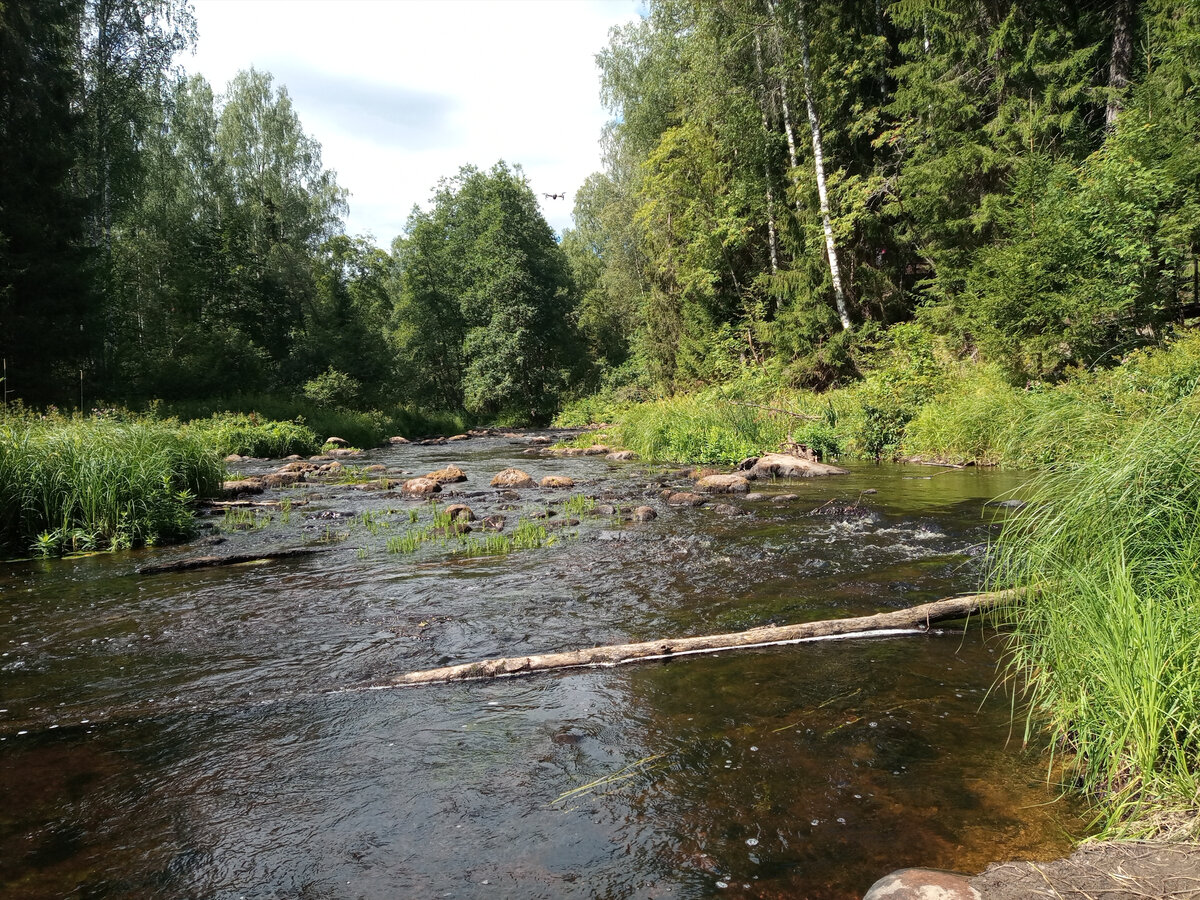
(201,734)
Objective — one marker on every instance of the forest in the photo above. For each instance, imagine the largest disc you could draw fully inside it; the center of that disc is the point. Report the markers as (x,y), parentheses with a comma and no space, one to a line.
(784,183)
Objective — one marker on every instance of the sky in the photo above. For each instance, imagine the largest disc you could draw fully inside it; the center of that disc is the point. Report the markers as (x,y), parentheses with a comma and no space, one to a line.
(401,93)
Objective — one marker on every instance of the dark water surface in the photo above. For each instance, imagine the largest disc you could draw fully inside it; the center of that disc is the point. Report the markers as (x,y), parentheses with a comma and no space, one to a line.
(192,735)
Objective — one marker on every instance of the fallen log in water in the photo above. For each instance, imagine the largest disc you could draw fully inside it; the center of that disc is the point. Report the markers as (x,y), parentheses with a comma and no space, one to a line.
(912,620)
(233,559)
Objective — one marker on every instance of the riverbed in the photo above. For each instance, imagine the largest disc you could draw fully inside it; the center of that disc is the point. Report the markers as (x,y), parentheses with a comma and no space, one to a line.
(214,733)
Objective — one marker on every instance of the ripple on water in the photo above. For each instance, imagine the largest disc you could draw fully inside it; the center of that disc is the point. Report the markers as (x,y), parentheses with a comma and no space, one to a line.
(219,758)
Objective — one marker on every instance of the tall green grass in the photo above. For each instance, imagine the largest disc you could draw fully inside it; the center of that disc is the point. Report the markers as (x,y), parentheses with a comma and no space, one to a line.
(88,484)
(1106,640)
(250,435)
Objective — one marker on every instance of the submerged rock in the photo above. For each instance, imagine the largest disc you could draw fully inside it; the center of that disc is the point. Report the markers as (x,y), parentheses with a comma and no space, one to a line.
(727,509)
(723,484)
(492,523)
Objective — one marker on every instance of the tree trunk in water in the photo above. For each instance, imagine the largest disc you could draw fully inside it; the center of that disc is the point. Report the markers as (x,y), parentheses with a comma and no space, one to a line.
(1119,61)
(905,621)
(819,164)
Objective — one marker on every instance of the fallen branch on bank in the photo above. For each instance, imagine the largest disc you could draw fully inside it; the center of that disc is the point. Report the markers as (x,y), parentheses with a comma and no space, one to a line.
(913,620)
(233,559)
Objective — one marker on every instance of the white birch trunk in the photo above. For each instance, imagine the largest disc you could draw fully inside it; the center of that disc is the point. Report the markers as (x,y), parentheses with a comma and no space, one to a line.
(766,125)
(835,273)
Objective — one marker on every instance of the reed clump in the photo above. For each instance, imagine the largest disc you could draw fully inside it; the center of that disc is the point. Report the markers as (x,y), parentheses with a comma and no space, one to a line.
(96,483)
(1106,642)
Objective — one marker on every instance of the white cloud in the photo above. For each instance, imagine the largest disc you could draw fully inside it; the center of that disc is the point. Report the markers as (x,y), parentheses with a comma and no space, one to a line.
(401,93)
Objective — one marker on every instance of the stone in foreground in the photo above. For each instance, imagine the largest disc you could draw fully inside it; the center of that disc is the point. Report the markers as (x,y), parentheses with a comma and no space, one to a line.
(922,884)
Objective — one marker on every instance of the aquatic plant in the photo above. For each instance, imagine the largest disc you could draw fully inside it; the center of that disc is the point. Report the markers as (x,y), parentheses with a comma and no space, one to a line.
(72,484)
(579,505)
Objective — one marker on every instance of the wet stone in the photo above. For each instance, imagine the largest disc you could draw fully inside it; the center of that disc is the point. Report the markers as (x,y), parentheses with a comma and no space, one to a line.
(922,884)
(512,478)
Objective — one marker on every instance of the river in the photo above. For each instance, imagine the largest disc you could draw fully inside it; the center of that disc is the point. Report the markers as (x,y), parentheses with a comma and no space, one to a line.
(204,734)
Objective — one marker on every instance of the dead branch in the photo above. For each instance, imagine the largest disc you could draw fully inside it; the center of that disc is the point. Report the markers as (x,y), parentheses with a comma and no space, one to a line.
(913,620)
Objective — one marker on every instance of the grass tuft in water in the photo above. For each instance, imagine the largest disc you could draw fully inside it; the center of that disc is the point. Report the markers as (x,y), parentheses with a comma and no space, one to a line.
(87,483)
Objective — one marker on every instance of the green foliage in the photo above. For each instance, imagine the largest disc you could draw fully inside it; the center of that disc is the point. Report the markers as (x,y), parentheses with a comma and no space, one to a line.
(484,317)
(333,388)
(369,428)
(251,435)
(702,429)
(1106,641)
(84,484)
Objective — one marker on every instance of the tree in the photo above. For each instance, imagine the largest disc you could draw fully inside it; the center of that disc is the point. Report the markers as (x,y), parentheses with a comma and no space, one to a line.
(486,310)
(46,296)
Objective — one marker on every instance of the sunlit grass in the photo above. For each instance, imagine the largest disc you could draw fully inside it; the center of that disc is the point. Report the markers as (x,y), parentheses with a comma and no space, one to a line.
(1106,642)
(76,484)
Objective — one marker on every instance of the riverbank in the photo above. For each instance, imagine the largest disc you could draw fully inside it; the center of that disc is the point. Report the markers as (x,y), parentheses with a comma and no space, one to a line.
(117,479)
(1105,660)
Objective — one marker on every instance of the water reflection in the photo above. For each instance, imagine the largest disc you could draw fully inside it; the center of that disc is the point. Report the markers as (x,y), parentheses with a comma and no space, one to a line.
(219,757)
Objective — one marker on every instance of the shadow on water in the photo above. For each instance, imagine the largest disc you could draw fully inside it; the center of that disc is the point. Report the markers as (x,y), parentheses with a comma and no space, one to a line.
(181,737)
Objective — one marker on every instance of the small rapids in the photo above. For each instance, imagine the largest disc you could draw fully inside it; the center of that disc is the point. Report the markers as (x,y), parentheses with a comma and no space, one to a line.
(191,734)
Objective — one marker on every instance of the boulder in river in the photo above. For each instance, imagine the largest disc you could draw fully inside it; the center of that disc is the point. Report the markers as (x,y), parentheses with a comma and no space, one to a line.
(460,511)
(242,486)
(459,437)
(421,486)
(723,484)
(448,475)
(512,478)
(282,478)
(644,514)
(686,498)
(787,465)
(397,439)
(621,455)
(557,481)
(493,523)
